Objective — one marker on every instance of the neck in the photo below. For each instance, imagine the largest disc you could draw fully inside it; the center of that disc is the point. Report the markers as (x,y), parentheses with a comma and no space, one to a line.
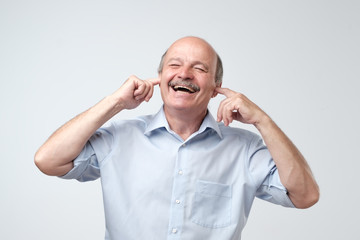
(184,122)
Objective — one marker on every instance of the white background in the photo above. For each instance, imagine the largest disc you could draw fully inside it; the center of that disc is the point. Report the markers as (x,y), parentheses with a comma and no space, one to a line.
(298,60)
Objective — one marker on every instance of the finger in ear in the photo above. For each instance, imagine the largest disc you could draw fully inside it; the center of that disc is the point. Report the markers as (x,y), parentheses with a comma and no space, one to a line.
(214,94)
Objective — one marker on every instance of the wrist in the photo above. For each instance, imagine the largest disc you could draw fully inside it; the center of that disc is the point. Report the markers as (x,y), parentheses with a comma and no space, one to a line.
(264,122)
(114,104)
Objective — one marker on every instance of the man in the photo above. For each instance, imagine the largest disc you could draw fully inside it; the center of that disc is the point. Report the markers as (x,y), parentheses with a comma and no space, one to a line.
(179,174)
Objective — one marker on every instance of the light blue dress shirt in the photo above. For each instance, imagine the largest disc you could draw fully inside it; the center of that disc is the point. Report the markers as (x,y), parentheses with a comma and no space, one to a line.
(157,186)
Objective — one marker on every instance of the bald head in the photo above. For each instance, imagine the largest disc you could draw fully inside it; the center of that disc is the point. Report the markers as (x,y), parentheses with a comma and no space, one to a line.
(201,44)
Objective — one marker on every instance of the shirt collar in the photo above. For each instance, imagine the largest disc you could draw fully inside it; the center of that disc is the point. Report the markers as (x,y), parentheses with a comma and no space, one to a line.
(159,121)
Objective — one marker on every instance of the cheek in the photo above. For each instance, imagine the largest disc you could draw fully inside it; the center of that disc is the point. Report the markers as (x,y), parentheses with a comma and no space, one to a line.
(165,78)
(208,86)
(167,75)
(210,90)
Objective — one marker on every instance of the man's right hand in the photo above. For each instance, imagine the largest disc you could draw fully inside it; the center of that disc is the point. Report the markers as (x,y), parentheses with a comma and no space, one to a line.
(56,155)
(134,91)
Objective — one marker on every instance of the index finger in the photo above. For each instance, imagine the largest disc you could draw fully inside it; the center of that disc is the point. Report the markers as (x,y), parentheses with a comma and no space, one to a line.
(224,91)
(154,81)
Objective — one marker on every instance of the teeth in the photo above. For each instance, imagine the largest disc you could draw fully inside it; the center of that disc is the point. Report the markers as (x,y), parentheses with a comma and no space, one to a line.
(183,88)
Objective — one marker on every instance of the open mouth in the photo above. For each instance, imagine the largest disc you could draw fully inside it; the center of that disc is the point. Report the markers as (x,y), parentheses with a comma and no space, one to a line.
(183,89)
(184,86)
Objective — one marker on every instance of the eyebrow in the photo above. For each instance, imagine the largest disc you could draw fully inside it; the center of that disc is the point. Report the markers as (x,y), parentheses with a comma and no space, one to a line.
(175,59)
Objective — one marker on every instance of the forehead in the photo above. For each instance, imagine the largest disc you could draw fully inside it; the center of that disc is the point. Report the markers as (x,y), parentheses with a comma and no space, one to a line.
(192,49)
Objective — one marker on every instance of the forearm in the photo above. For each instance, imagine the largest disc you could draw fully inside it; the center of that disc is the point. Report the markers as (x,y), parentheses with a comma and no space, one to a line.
(56,155)
(294,172)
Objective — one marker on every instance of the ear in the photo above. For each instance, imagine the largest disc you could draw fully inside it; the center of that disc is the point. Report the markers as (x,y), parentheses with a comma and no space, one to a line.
(159,76)
(216,93)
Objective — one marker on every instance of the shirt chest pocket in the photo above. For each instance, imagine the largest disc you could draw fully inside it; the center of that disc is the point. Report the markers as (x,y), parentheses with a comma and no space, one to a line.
(212,205)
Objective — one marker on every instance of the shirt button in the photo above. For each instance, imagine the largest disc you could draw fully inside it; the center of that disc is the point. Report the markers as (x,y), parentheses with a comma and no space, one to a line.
(174,230)
(184,144)
(180,172)
(177,201)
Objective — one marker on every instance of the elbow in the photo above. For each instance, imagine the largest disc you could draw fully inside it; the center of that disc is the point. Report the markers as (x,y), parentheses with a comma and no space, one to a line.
(308,200)
(45,164)
(52,166)
(42,163)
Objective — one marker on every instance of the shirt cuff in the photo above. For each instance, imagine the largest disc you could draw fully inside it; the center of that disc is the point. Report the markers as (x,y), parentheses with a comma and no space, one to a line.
(272,190)
(86,167)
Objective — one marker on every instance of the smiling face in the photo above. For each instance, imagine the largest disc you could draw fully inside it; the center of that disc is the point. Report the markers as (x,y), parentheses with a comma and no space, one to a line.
(188,75)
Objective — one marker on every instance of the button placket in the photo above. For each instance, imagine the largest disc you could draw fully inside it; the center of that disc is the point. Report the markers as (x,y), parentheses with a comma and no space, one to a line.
(179,185)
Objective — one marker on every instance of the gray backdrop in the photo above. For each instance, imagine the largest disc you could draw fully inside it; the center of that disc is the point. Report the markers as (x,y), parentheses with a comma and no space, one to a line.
(298,60)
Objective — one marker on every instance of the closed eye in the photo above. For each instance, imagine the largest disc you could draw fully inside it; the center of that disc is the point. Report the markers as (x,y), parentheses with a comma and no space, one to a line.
(174,65)
(200,69)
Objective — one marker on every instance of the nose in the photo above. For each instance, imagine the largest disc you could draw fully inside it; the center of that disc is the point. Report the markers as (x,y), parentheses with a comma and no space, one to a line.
(185,73)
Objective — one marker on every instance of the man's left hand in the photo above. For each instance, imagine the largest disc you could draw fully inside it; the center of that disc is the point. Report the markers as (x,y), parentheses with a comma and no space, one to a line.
(237,106)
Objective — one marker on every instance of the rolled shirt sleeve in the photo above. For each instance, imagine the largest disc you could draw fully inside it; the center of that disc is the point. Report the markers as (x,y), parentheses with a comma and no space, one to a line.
(265,175)
(272,190)
(86,165)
